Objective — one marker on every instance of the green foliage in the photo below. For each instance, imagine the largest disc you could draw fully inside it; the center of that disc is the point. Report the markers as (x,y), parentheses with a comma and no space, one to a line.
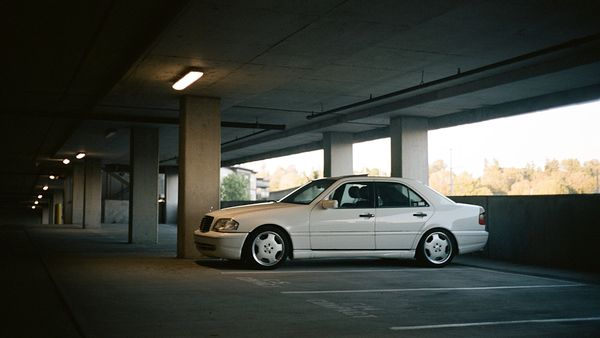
(557,177)
(235,187)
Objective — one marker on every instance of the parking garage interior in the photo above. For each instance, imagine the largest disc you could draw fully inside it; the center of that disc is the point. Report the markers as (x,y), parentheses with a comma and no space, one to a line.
(95,78)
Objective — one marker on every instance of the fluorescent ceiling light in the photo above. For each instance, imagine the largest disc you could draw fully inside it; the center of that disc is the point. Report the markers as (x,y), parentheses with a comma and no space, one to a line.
(66,161)
(80,155)
(187,79)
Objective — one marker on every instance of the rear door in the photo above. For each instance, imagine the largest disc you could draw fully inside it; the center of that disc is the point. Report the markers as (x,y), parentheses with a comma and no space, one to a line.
(349,227)
(400,215)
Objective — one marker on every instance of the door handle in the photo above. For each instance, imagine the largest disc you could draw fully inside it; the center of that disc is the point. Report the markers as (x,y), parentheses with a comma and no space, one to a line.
(369,215)
(420,214)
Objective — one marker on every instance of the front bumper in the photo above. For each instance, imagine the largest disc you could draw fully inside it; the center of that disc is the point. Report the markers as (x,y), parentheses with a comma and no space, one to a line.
(226,245)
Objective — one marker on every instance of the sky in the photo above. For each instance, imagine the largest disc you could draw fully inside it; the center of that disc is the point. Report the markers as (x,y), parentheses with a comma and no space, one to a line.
(560,133)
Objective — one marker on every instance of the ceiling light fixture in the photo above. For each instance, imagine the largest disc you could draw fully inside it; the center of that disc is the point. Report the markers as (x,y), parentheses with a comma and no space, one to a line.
(33,207)
(40,197)
(80,155)
(45,188)
(190,77)
(53,177)
(66,161)
(36,202)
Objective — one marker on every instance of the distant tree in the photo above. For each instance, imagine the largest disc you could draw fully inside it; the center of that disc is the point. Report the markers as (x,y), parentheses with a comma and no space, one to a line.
(235,187)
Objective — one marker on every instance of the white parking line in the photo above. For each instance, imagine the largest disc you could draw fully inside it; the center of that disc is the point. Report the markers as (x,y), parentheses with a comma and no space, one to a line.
(480,288)
(510,322)
(520,274)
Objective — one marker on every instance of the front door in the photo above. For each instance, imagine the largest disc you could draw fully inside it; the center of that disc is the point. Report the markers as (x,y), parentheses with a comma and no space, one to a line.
(349,227)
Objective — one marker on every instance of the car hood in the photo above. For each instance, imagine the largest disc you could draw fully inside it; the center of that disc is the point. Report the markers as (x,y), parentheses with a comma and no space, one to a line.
(247,210)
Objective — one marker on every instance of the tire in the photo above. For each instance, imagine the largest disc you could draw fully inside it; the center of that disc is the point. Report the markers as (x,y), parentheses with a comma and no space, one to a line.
(266,248)
(436,249)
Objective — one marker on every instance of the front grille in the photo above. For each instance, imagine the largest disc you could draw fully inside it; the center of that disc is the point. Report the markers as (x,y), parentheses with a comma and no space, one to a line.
(206,223)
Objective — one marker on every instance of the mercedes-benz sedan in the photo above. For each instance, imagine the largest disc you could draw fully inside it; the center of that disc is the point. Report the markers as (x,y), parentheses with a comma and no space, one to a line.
(351,216)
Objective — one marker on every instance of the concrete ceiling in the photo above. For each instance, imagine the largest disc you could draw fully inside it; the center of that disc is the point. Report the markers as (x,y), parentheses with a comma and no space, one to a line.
(77,70)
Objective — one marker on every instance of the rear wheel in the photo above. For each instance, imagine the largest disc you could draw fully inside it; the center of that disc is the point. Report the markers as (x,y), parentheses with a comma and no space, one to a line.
(266,248)
(436,248)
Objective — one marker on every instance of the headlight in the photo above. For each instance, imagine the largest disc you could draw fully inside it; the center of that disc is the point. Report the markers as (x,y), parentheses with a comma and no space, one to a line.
(226,224)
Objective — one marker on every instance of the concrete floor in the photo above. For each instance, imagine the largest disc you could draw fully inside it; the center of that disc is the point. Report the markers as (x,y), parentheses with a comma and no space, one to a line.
(61,281)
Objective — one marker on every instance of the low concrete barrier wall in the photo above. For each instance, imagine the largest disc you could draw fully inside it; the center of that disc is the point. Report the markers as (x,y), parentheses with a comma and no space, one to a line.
(558,230)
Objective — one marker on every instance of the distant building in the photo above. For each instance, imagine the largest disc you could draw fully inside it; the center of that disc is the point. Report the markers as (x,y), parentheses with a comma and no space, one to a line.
(259,187)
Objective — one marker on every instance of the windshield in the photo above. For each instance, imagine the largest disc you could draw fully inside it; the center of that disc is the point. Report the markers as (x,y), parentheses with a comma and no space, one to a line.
(307,193)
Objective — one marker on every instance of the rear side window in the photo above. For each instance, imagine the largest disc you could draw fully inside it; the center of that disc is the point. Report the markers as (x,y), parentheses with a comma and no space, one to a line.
(396,195)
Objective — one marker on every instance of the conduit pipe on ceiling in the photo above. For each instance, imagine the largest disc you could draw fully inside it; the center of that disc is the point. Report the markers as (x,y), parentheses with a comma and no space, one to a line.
(548,50)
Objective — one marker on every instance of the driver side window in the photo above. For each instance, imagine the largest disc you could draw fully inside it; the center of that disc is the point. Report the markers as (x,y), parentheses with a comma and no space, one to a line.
(353,196)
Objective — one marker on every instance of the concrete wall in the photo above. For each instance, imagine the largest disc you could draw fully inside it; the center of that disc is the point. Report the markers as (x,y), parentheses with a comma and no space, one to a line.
(27,216)
(559,230)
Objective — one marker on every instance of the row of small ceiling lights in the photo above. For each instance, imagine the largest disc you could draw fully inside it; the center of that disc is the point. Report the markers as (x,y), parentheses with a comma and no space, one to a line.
(191,75)
(80,155)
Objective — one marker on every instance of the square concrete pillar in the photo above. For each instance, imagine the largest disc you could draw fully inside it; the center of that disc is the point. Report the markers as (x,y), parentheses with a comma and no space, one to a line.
(92,203)
(409,157)
(171,194)
(143,186)
(68,200)
(337,154)
(199,167)
(77,195)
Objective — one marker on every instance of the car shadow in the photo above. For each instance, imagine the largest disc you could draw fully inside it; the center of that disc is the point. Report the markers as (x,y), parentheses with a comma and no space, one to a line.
(316,264)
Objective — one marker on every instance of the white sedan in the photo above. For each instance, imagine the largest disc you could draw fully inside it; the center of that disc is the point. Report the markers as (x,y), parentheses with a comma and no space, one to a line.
(351,216)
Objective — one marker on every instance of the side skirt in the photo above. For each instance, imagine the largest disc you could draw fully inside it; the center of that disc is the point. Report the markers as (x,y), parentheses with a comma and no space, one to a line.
(399,254)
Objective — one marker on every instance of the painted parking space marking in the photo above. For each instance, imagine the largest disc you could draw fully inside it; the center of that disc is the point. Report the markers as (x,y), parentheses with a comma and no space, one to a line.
(266,283)
(480,288)
(354,310)
(510,322)
(520,274)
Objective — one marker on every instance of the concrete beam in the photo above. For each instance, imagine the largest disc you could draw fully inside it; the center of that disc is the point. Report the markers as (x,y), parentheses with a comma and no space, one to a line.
(143,204)
(78,194)
(199,167)
(409,152)
(92,209)
(337,154)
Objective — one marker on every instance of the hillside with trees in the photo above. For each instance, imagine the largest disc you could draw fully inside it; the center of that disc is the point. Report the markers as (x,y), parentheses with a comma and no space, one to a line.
(556,177)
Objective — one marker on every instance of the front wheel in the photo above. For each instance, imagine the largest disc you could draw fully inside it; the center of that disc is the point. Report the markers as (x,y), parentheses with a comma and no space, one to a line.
(266,248)
(436,249)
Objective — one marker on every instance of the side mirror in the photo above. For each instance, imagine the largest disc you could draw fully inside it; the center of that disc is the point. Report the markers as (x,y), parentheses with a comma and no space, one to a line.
(329,204)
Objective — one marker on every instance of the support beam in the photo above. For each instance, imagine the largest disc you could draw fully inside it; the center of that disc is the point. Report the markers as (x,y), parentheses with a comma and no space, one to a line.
(92,208)
(199,167)
(409,153)
(337,154)
(68,200)
(143,204)
(78,183)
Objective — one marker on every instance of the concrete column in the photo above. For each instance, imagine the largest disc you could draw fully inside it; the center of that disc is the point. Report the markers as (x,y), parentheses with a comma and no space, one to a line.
(337,152)
(143,186)
(45,215)
(68,200)
(199,167)
(50,196)
(171,194)
(409,156)
(92,204)
(78,192)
